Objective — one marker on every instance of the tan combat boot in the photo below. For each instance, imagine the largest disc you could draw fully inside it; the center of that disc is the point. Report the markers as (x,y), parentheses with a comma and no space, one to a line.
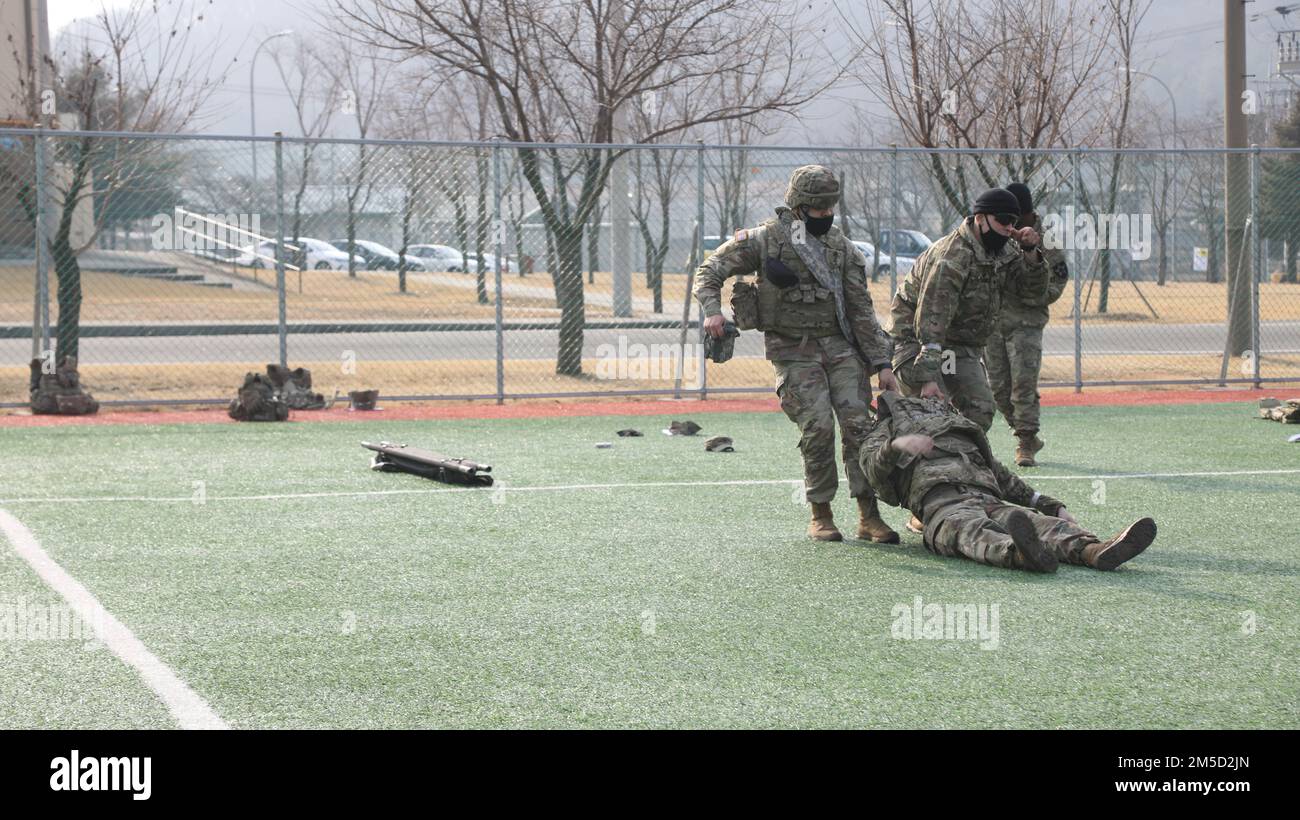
(1025,450)
(870,525)
(1129,543)
(822,527)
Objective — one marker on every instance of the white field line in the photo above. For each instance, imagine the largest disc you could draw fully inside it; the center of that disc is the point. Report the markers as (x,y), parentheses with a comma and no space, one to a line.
(189,710)
(505,488)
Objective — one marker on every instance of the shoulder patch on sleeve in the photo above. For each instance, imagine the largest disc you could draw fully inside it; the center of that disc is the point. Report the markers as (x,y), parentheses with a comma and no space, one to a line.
(741,235)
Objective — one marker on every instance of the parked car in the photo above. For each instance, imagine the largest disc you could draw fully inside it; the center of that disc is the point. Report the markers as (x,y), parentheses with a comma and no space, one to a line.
(489,264)
(904,245)
(379,257)
(320,255)
(439,257)
(869,251)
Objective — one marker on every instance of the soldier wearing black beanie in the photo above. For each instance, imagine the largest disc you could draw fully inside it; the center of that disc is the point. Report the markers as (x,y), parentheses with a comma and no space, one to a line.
(946,307)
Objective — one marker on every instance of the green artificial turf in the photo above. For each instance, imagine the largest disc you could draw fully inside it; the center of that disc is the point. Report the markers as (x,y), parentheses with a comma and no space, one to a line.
(696,605)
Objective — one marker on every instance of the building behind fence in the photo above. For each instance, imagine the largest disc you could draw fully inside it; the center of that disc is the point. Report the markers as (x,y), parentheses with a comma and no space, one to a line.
(181,292)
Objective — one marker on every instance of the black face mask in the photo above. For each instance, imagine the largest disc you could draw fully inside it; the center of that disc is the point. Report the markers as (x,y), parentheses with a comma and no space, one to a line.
(993,241)
(818,225)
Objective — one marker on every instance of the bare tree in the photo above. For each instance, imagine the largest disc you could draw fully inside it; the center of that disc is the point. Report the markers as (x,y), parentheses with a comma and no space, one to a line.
(362,79)
(1126,16)
(561,71)
(129,68)
(958,75)
(314,94)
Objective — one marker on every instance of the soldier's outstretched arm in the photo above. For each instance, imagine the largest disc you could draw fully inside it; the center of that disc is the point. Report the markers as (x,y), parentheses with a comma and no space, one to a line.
(879,460)
(1031,277)
(936,304)
(872,341)
(1060,274)
(1017,491)
(739,256)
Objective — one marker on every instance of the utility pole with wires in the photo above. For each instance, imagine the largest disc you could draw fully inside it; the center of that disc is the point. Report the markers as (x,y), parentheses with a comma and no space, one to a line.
(1236,103)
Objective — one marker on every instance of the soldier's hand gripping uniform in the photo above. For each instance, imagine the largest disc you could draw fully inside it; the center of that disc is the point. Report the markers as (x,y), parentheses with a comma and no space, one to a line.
(945,308)
(1014,353)
(924,455)
(821,334)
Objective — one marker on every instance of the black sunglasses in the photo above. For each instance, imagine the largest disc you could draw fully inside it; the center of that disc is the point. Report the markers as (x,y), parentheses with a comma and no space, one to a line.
(1006,219)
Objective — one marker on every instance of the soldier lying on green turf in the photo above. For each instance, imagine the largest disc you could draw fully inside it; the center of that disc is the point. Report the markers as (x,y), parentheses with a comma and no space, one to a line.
(924,455)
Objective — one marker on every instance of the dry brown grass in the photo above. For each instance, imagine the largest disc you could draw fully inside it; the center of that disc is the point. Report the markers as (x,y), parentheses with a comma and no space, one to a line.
(153,382)
(333,296)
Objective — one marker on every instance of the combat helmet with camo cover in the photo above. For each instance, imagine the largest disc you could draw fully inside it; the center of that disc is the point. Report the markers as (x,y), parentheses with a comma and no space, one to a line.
(813,186)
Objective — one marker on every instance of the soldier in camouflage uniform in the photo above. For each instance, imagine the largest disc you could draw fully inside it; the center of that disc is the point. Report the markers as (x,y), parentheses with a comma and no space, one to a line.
(944,309)
(924,455)
(821,334)
(1014,353)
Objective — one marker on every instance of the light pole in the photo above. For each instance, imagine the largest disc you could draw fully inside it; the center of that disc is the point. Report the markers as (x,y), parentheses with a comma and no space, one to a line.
(252,97)
(1172,103)
(1164,159)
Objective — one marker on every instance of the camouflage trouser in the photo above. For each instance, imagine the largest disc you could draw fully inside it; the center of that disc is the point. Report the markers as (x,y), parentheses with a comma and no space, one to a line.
(813,395)
(967,521)
(967,387)
(1014,357)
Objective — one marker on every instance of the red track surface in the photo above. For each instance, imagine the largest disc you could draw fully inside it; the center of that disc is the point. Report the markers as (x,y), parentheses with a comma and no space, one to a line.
(538,409)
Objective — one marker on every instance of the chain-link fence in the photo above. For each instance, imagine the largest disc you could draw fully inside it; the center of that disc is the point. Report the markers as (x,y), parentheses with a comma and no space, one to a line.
(174,264)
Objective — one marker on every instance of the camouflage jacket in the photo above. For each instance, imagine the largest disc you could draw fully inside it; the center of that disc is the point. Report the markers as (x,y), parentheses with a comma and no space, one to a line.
(745,253)
(952,295)
(1019,312)
(961,456)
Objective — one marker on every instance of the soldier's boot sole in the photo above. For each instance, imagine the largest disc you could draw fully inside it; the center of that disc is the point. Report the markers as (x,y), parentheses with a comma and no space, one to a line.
(1034,555)
(915,525)
(822,527)
(1130,543)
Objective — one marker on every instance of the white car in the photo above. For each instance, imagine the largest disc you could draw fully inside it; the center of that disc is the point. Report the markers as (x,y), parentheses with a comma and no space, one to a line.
(320,255)
(910,244)
(869,251)
(489,264)
(438,257)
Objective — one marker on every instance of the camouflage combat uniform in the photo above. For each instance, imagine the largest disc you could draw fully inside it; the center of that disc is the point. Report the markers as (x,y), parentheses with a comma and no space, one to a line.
(1014,353)
(958,490)
(944,311)
(820,373)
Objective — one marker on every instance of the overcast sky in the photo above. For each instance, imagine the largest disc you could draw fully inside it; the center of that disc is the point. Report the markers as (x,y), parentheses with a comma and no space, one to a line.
(63,12)
(1180,42)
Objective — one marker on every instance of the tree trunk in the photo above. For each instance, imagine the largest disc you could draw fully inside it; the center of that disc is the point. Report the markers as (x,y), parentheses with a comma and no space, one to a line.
(352,237)
(481,229)
(1162,265)
(593,245)
(1212,255)
(567,279)
(1289,252)
(68,273)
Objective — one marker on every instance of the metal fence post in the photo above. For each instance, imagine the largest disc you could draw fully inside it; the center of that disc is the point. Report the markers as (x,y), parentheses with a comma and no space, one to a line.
(498,244)
(699,256)
(893,223)
(41,321)
(1077,173)
(1256,268)
(282,322)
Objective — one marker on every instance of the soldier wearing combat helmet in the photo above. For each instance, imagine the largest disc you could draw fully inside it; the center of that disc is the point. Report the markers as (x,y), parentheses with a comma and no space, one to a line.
(820,331)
